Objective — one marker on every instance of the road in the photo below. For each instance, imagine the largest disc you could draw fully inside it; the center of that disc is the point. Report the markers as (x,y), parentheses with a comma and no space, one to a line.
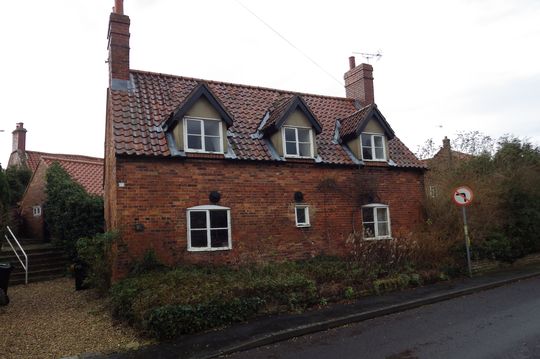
(498,323)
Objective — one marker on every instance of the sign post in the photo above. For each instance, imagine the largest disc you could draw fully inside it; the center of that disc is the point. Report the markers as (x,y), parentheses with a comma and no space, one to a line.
(463,197)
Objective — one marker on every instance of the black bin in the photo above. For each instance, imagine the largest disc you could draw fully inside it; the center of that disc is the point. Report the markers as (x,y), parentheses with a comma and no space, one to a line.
(5,272)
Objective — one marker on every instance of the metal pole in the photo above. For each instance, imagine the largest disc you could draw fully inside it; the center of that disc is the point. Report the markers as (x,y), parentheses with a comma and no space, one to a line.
(467,240)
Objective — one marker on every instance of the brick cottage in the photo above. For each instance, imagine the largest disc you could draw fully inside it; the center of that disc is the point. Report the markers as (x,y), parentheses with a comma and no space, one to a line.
(207,171)
(85,170)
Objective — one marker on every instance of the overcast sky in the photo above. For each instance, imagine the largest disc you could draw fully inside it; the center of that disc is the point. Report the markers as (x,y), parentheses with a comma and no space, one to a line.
(462,65)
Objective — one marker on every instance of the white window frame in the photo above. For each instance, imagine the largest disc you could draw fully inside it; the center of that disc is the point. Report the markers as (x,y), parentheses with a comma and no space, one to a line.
(373,152)
(36,211)
(207,209)
(305,207)
(374,207)
(201,120)
(311,140)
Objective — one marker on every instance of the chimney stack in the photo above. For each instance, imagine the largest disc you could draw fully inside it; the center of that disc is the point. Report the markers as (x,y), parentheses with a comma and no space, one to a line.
(118,48)
(19,138)
(359,83)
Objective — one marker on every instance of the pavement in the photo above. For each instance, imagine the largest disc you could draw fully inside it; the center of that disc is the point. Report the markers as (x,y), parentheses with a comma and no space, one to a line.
(268,330)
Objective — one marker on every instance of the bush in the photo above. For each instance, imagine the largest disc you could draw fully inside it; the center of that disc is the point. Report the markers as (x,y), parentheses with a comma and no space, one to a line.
(70,212)
(172,320)
(18,178)
(95,253)
(148,263)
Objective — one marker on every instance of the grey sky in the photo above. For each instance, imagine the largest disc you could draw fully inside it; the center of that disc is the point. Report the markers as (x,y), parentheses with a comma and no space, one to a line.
(465,65)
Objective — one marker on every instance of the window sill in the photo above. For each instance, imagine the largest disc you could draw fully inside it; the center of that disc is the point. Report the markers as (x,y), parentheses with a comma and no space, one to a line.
(377,238)
(209,249)
(303,225)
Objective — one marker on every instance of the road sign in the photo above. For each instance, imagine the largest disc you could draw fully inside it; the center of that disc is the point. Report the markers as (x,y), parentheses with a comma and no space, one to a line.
(463,196)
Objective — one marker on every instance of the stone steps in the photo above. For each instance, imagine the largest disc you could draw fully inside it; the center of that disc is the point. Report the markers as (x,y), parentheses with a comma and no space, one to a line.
(45,262)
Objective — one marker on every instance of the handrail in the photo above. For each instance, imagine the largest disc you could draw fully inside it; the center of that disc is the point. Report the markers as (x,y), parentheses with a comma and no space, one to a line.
(25,264)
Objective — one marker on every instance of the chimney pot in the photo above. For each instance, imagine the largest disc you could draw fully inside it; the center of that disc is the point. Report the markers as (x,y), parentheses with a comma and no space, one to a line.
(352,62)
(119,7)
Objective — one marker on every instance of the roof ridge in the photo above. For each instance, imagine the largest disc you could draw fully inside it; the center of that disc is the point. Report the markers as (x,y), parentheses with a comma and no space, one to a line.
(73,160)
(47,154)
(242,85)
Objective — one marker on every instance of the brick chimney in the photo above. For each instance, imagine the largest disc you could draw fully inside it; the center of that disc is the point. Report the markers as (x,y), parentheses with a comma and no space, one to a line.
(19,138)
(118,47)
(359,82)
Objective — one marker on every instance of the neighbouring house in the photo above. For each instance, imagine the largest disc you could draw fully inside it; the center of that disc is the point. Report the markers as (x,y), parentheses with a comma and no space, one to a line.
(444,160)
(87,171)
(203,171)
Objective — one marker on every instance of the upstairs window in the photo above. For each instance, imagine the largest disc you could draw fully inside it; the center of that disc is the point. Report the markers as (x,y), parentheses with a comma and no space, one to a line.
(373,147)
(297,142)
(203,135)
(209,228)
(376,221)
(36,211)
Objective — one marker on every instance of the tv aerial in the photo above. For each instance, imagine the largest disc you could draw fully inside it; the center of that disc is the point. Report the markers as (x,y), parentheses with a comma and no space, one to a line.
(370,56)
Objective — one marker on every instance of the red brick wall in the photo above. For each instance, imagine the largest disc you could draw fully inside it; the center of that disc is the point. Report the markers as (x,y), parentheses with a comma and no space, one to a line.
(34,196)
(261,198)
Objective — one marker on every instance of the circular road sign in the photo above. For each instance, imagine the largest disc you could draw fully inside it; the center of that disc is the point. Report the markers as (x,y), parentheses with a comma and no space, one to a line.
(462,196)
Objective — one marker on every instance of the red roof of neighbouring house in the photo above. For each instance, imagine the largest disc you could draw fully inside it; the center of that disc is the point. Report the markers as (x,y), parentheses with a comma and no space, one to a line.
(88,171)
(33,158)
(138,116)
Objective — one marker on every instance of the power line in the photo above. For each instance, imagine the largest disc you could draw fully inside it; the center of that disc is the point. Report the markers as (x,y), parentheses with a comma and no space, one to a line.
(290,43)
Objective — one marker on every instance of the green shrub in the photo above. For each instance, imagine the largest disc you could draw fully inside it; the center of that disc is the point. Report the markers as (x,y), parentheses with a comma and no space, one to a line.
(349,293)
(172,320)
(148,263)
(18,178)
(95,252)
(70,212)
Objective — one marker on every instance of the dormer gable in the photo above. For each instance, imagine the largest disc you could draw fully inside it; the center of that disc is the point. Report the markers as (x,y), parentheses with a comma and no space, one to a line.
(201,91)
(366,133)
(291,128)
(282,110)
(199,124)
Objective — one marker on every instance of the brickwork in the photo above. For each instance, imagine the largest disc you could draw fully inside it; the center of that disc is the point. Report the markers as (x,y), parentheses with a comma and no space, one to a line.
(34,196)
(119,47)
(359,84)
(157,194)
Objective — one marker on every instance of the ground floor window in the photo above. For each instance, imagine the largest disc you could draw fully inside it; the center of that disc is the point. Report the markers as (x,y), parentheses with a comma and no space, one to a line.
(209,228)
(376,221)
(302,216)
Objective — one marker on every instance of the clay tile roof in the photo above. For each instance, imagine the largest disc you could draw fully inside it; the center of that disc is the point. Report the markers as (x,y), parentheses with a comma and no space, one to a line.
(350,124)
(87,171)
(138,114)
(277,110)
(33,158)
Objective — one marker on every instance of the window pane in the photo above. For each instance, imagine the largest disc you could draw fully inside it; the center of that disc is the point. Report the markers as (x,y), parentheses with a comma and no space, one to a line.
(219,238)
(194,142)
(383,229)
(211,144)
(211,128)
(305,149)
(290,134)
(367,215)
(378,140)
(303,135)
(382,215)
(300,215)
(290,148)
(369,230)
(198,238)
(197,219)
(379,153)
(366,153)
(218,219)
(366,140)
(193,127)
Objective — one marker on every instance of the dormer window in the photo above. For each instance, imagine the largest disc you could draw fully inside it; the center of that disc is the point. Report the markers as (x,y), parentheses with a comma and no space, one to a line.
(203,135)
(297,142)
(373,147)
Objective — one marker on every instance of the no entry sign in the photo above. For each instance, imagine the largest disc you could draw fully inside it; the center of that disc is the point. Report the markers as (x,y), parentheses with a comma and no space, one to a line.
(462,196)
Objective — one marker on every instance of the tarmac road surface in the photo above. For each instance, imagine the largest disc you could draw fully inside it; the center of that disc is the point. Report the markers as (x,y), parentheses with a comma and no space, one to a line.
(497,323)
